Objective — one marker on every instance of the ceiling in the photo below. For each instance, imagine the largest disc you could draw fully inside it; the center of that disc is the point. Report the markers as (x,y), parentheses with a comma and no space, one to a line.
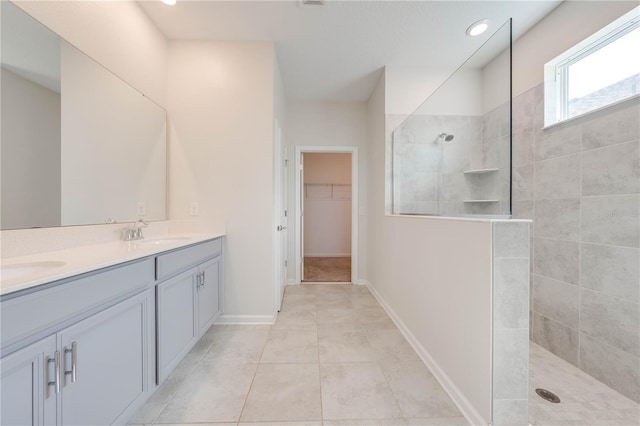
(335,52)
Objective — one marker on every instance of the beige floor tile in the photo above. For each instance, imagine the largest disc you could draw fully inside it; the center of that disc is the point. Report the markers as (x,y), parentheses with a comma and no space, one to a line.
(299,302)
(284,392)
(337,317)
(363,300)
(238,346)
(303,423)
(295,320)
(374,318)
(366,422)
(391,346)
(213,392)
(439,421)
(291,346)
(344,346)
(356,391)
(417,391)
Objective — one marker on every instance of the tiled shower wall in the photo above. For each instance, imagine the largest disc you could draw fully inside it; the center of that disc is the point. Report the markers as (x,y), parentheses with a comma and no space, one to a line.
(428,172)
(580,182)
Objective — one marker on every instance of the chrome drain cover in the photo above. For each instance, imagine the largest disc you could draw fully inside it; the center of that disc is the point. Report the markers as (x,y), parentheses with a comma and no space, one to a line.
(548,395)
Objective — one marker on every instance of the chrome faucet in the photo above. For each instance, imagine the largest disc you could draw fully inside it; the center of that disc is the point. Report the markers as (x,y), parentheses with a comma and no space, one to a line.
(135,231)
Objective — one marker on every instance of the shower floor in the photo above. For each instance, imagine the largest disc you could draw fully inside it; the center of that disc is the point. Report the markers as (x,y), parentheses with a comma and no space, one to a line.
(584,400)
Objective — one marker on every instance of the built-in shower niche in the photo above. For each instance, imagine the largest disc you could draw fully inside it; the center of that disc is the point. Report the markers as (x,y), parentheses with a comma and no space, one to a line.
(452,155)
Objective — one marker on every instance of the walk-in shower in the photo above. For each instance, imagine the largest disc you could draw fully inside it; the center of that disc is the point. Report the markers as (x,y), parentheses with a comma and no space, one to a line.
(452,155)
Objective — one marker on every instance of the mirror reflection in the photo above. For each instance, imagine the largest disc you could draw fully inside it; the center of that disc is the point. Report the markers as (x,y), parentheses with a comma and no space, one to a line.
(78,145)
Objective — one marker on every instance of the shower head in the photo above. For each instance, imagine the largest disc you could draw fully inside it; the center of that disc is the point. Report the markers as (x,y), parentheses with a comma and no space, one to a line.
(447,137)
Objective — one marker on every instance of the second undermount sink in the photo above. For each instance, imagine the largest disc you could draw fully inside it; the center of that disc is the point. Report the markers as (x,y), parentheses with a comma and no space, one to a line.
(19,270)
(157,241)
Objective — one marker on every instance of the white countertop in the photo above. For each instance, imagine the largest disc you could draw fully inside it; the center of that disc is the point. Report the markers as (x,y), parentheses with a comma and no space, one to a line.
(83,259)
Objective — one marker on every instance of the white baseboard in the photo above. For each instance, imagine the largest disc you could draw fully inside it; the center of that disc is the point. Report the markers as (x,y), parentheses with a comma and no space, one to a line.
(469,412)
(293,281)
(246,319)
(364,282)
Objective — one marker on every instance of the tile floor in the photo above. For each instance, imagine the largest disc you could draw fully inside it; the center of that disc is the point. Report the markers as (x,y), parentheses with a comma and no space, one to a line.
(335,358)
(584,400)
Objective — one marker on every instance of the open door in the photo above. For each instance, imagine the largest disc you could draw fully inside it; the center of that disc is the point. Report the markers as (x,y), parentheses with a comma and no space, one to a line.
(281,215)
(301,197)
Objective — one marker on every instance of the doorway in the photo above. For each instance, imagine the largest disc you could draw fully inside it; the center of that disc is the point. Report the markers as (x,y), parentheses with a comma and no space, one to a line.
(326,188)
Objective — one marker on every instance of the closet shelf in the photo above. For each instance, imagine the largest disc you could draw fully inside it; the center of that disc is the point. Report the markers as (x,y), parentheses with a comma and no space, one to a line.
(479,171)
(481,201)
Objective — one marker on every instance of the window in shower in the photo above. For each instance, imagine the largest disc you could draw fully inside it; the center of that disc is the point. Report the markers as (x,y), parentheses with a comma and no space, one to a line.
(602,70)
(452,155)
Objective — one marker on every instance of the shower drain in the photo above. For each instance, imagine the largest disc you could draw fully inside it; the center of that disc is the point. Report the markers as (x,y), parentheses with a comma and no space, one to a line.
(548,395)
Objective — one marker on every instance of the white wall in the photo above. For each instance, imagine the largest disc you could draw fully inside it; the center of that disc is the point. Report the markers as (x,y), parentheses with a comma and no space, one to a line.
(330,124)
(415,269)
(221,109)
(113,146)
(327,208)
(30,195)
(565,26)
(117,34)
(406,89)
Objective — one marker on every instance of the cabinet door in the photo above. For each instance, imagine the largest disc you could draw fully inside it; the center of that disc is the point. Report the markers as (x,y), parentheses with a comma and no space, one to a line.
(177,328)
(208,305)
(105,360)
(26,397)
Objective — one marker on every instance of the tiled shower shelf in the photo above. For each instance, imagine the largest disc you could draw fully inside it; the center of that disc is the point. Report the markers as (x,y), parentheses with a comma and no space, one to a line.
(479,171)
(481,201)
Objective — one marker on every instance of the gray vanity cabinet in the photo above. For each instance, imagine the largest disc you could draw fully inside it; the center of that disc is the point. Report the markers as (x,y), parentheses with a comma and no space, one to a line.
(208,295)
(188,301)
(26,398)
(177,325)
(105,362)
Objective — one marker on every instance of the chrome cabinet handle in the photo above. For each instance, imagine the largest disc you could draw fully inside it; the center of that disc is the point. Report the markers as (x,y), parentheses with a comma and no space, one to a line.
(56,376)
(203,278)
(281,228)
(74,362)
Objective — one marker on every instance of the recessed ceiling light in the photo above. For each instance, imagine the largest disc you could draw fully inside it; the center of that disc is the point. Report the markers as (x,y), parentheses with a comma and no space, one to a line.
(478,27)
(169,2)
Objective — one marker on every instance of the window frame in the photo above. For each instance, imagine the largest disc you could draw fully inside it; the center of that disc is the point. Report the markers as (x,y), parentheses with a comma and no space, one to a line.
(556,71)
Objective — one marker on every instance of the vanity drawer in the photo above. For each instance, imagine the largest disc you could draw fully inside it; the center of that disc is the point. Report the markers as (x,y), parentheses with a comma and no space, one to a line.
(171,263)
(51,308)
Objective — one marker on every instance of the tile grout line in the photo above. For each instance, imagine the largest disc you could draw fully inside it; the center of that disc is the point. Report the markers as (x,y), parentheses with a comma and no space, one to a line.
(255,373)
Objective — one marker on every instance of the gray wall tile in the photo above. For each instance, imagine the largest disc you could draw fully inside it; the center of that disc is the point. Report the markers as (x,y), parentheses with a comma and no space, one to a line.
(611,270)
(557,259)
(523,183)
(558,177)
(611,126)
(510,412)
(556,300)
(511,364)
(611,220)
(511,293)
(558,219)
(555,337)
(615,368)
(558,141)
(611,320)
(611,170)
(523,147)
(523,209)
(511,239)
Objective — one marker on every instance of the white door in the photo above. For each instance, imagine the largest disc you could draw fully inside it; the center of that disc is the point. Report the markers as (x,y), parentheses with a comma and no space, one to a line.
(301,195)
(280,215)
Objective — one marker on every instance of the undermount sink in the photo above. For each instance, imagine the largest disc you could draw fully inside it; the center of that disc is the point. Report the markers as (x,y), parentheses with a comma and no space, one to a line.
(167,240)
(19,270)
